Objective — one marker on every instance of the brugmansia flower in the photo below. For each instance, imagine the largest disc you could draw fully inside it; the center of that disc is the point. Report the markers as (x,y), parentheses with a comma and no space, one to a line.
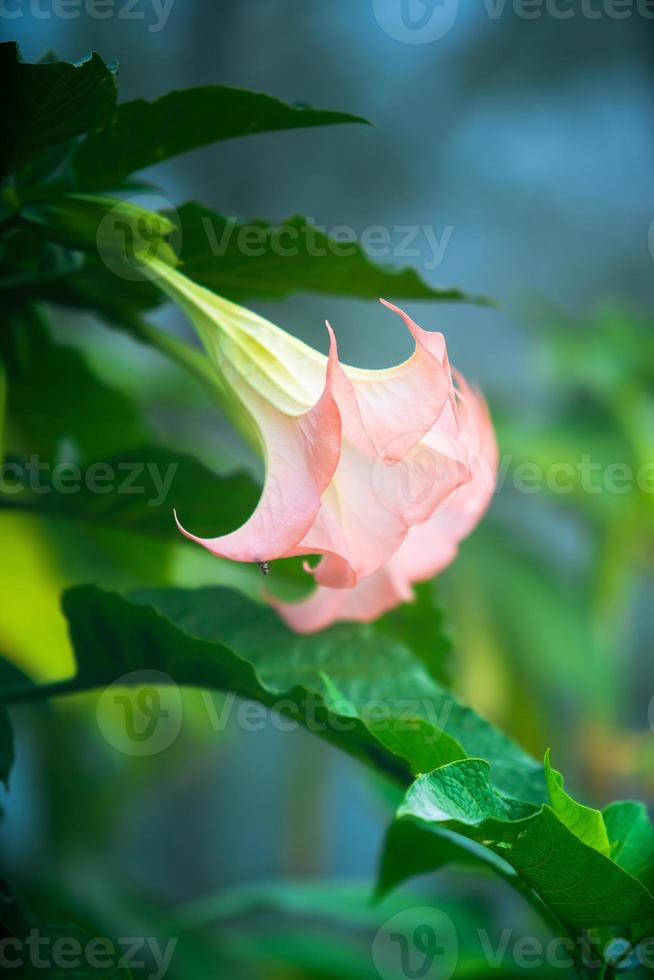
(380,473)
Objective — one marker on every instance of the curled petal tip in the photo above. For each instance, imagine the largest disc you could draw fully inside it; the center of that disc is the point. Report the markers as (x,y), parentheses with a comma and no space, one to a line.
(179,524)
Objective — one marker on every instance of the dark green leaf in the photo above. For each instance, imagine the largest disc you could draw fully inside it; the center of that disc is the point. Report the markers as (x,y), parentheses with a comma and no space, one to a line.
(121,233)
(93,287)
(54,396)
(367,688)
(144,133)
(243,260)
(137,491)
(30,265)
(220,264)
(415,848)
(47,104)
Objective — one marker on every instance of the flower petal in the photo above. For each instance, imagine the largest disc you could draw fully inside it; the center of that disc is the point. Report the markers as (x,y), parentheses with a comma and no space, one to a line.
(302,453)
(372,502)
(397,406)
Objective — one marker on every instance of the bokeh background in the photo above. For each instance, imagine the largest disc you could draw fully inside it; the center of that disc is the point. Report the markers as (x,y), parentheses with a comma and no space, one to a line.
(533,142)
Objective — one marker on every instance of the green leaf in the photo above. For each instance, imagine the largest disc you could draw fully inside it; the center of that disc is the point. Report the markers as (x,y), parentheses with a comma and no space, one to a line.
(136,490)
(144,133)
(122,233)
(415,848)
(420,625)
(47,104)
(48,382)
(243,260)
(220,264)
(30,265)
(582,887)
(631,835)
(18,922)
(93,287)
(587,824)
(369,692)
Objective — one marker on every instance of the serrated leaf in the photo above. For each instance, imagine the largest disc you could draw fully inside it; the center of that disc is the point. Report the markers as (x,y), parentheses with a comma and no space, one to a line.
(144,133)
(216,637)
(47,104)
(585,823)
(240,277)
(582,887)
(291,257)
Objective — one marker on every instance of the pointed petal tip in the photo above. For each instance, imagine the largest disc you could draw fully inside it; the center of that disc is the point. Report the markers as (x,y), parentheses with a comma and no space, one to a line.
(332,357)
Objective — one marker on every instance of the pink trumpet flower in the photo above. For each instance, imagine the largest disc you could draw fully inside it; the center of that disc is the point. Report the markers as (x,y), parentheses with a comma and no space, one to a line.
(380,473)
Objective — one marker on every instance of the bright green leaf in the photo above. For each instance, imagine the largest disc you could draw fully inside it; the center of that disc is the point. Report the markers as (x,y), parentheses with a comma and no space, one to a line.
(631,835)
(582,887)
(587,824)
